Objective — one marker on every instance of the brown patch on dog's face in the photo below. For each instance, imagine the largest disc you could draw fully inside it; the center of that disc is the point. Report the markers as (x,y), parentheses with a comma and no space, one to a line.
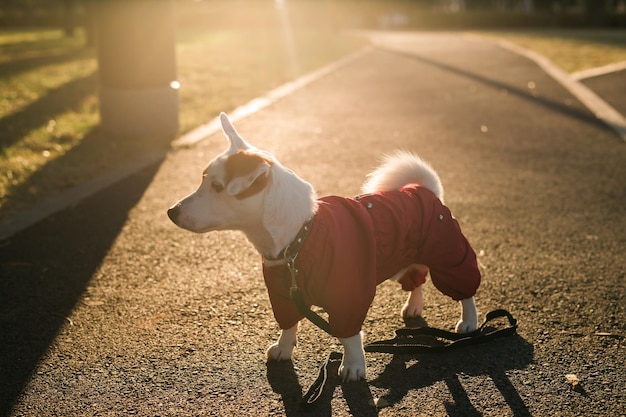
(245,163)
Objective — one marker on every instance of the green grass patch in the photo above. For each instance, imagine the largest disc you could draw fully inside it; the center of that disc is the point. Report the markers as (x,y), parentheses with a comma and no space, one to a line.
(47,106)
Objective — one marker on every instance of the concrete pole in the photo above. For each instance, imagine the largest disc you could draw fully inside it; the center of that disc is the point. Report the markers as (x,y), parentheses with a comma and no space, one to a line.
(137,66)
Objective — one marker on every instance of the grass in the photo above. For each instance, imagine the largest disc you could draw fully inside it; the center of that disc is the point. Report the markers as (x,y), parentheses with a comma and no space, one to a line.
(49,134)
(47,106)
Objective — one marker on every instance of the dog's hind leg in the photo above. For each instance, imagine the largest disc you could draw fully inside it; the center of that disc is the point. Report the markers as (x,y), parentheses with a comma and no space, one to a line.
(412,279)
(414,304)
(469,316)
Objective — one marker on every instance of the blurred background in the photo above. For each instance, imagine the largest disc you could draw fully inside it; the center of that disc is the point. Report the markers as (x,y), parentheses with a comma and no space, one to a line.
(88,85)
(71,14)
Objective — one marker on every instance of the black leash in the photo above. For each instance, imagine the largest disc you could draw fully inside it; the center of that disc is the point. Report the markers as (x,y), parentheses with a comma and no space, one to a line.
(316,319)
(412,341)
(431,340)
(290,253)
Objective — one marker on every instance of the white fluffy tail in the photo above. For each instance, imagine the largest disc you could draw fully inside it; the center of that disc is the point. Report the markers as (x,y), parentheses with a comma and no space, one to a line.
(402,168)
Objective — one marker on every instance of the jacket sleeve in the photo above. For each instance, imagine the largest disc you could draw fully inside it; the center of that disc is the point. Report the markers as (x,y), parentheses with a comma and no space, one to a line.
(277,280)
(345,269)
(452,261)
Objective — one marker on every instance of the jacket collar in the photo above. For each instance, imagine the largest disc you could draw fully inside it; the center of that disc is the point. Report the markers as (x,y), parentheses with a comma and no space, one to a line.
(290,252)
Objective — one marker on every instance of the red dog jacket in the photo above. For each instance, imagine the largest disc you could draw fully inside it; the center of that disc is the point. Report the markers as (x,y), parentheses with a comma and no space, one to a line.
(355,244)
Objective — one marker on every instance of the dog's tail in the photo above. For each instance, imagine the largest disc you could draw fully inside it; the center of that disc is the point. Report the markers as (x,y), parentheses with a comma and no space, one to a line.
(402,168)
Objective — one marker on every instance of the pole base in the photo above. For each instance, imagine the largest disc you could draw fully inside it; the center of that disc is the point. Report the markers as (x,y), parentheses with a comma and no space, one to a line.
(139,112)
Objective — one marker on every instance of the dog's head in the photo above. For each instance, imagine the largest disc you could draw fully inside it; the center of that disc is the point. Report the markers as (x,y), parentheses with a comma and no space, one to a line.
(231,193)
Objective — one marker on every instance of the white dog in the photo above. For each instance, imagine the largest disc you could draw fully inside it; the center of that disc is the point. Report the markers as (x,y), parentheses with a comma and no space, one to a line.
(338,249)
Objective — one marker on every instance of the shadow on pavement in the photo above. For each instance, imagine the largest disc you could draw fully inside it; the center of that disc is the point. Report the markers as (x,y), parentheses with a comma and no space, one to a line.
(492,360)
(45,269)
(284,381)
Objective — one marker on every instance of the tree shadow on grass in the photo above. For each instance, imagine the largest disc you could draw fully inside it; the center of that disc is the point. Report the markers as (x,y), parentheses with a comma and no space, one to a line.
(57,101)
(97,152)
(43,58)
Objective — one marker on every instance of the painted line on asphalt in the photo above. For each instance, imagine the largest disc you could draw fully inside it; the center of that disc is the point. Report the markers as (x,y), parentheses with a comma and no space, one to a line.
(74,195)
(584,94)
(598,71)
(204,131)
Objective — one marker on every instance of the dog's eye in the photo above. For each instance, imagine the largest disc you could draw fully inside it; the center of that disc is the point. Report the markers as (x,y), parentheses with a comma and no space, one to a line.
(217,187)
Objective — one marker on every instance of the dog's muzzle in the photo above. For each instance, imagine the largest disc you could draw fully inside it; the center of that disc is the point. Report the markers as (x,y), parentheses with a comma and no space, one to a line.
(174,212)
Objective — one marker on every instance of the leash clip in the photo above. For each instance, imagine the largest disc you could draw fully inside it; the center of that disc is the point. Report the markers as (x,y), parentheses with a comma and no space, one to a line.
(293,290)
(294,272)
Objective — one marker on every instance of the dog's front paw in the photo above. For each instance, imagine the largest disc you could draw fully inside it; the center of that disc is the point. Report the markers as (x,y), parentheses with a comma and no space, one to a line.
(466,326)
(352,370)
(352,366)
(282,350)
(278,352)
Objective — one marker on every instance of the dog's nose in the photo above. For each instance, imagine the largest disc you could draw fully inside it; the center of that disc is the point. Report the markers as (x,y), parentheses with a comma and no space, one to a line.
(173,212)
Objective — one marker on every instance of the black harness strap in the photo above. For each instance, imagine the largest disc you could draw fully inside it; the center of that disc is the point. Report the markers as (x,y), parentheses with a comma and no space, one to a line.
(290,254)
(296,296)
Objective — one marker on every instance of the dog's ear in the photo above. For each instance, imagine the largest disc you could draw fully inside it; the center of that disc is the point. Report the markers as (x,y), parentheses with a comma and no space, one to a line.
(246,174)
(236,141)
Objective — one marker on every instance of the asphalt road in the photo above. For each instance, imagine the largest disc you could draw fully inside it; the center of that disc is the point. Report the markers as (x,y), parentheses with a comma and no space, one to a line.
(107,308)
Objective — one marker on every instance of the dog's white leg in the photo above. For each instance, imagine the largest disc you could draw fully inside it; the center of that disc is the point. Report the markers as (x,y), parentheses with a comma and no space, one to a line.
(283,348)
(352,366)
(469,317)
(414,304)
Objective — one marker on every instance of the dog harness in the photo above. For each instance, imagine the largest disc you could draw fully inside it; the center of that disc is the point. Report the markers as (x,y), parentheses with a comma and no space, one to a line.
(354,244)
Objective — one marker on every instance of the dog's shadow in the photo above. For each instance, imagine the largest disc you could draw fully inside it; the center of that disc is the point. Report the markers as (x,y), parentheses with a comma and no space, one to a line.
(284,381)
(404,373)
(492,360)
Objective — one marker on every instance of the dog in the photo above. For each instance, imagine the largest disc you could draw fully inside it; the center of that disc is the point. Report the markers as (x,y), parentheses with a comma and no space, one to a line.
(399,229)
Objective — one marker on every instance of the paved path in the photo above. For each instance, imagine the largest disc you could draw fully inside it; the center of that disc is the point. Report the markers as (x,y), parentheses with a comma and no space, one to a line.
(107,309)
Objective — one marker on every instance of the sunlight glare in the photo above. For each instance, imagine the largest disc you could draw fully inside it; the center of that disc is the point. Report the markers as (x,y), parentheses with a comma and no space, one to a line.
(281,6)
